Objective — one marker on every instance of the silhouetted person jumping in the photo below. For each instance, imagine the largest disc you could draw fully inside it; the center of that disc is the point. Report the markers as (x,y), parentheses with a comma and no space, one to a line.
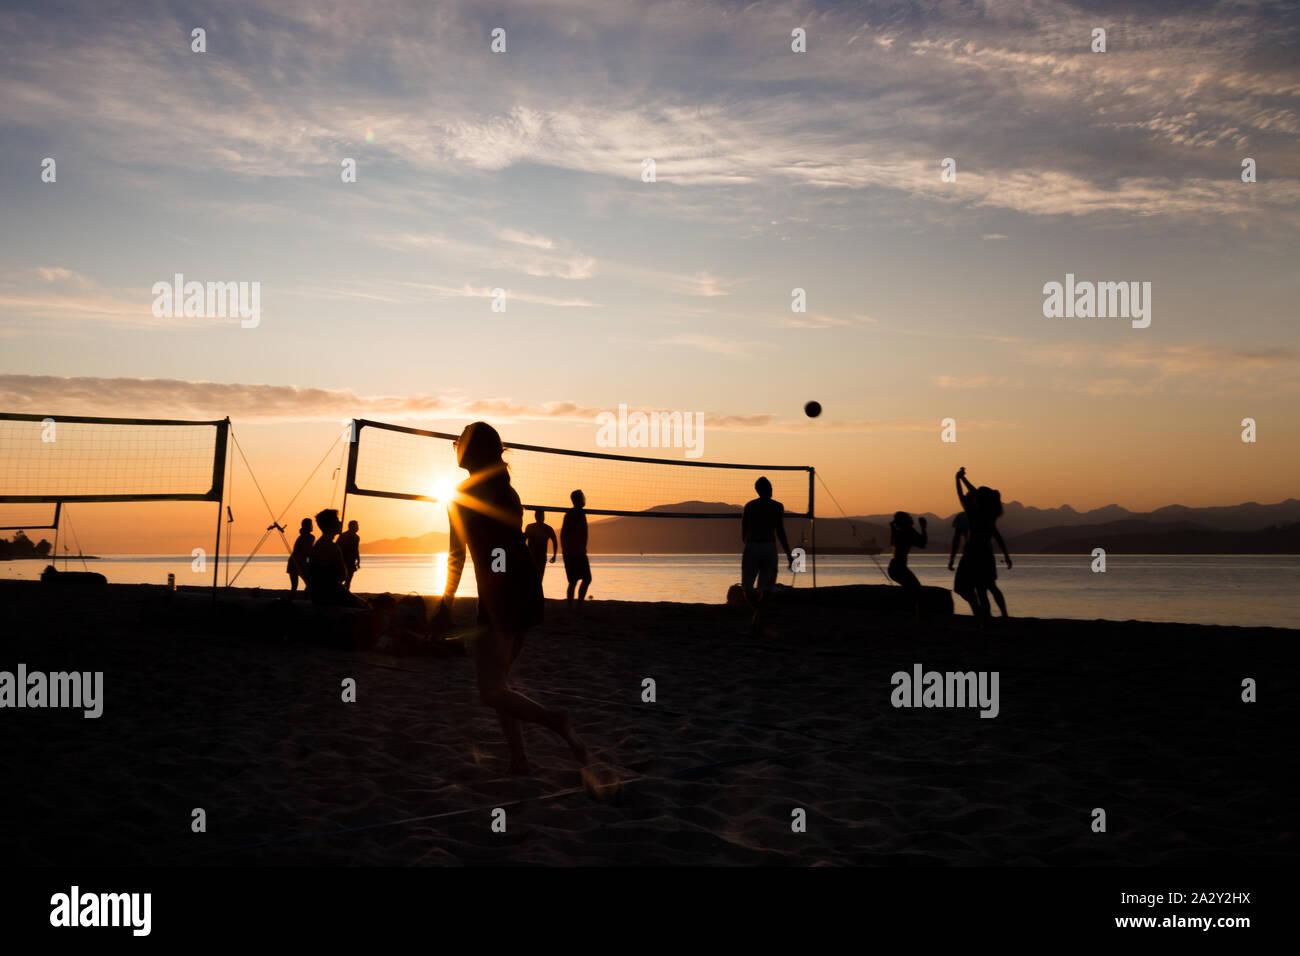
(977,572)
(485,516)
(537,535)
(903,538)
(300,557)
(573,542)
(762,520)
(350,546)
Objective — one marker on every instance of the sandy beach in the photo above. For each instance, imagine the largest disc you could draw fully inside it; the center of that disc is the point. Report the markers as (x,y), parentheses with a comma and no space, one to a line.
(219,711)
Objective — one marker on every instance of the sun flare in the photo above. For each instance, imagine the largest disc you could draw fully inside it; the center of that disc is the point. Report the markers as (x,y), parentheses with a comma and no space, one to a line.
(443,489)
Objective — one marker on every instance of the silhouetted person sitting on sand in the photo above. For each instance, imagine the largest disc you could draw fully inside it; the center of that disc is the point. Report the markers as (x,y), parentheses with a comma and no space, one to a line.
(977,572)
(327,571)
(300,557)
(762,520)
(537,535)
(350,546)
(903,538)
(960,584)
(573,542)
(485,516)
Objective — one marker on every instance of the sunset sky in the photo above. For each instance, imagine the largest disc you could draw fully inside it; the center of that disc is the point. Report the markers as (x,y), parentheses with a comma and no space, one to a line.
(775,170)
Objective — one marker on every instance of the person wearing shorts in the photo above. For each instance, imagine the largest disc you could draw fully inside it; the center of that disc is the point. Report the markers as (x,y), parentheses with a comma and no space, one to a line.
(573,543)
(762,524)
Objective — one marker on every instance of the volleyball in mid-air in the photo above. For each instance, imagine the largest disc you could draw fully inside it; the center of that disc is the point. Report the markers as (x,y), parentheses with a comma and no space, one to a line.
(812,409)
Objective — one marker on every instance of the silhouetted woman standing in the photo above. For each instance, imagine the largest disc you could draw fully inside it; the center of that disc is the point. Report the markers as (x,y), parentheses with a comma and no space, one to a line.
(487,517)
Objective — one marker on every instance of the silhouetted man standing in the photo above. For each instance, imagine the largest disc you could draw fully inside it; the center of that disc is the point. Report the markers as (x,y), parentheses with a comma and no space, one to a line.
(537,535)
(573,542)
(762,520)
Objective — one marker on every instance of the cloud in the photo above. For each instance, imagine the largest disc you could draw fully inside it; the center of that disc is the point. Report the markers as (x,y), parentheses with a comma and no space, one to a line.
(48,294)
(1113,386)
(978,381)
(1045,126)
(263,404)
(526,238)
(551,261)
(1191,368)
(488,292)
(702,283)
(58,274)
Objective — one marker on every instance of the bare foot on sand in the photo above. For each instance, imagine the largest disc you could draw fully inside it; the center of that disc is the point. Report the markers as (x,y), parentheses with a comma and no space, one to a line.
(564,727)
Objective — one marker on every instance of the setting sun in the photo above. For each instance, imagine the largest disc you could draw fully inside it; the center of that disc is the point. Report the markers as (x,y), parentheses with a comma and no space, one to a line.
(443,489)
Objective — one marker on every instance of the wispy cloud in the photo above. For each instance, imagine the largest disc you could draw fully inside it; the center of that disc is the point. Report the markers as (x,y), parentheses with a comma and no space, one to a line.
(173,398)
(977,381)
(488,292)
(1194,368)
(49,295)
(1170,105)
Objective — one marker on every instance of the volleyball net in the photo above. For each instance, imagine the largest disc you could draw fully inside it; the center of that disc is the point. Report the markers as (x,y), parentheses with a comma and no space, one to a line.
(394,461)
(30,517)
(50,458)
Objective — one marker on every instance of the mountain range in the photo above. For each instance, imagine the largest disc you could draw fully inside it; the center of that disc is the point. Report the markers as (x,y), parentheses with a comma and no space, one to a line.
(1249,528)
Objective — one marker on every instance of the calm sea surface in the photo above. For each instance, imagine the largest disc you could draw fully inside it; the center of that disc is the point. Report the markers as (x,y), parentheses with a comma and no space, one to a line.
(1199,589)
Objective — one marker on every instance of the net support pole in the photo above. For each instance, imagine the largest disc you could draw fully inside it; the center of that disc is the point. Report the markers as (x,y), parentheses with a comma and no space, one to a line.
(216,555)
(218,482)
(54,558)
(812,520)
(351,475)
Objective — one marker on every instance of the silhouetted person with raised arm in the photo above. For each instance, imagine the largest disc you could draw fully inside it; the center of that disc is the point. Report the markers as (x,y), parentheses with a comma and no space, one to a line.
(300,557)
(350,546)
(573,542)
(762,521)
(903,538)
(327,570)
(485,516)
(978,568)
(961,583)
(537,536)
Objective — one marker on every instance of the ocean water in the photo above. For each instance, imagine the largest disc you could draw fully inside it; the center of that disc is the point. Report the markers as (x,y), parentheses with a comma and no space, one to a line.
(1195,589)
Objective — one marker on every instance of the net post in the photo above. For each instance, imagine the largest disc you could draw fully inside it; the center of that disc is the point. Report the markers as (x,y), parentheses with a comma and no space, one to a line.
(54,558)
(216,556)
(812,520)
(219,486)
(349,480)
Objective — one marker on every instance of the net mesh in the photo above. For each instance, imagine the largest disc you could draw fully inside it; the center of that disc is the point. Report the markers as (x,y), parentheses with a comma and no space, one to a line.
(389,461)
(27,516)
(106,459)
